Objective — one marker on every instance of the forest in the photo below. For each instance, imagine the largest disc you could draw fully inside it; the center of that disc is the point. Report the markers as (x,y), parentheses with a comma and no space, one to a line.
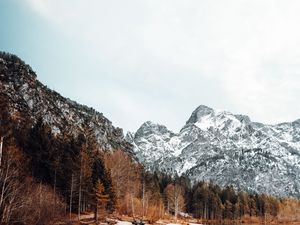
(45,177)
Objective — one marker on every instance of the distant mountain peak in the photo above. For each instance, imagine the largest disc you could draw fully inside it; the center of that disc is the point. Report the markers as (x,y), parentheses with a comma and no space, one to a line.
(225,148)
(200,112)
(152,127)
(150,123)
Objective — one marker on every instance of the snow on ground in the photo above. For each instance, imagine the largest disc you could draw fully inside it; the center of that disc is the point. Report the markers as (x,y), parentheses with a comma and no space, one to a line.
(123,223)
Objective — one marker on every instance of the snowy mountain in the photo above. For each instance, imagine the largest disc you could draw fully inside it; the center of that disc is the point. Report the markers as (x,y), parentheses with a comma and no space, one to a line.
(227,149)
(27,100)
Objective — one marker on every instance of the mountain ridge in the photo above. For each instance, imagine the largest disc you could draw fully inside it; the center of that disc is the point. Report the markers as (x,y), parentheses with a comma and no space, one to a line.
(226,148)
(26,97)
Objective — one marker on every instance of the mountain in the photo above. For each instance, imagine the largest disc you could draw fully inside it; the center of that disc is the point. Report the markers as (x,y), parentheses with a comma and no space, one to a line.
(227,149)
(23,96)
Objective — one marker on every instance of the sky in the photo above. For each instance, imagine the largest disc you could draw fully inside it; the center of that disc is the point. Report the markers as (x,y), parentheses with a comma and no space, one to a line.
(157,60)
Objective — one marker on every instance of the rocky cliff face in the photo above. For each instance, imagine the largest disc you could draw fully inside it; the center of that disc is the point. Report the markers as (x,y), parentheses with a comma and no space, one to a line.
(26,97)
(227,149)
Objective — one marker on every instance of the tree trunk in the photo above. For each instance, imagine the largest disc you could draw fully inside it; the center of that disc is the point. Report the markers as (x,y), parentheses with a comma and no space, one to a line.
(204,213)
(54,190)
(1,146)
(146,206)
(79,194)
(176,203)
(4,183)
(96,214)
(84,202)
(132,206)
(71,196)
(143,197)
(40,199)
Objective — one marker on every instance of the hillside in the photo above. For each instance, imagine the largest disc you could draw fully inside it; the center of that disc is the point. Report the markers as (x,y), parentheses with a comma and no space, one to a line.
(25,98)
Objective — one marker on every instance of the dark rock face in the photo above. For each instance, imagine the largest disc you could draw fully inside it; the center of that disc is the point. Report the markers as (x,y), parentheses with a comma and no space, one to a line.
(28,98)
(198,113)
(227,149)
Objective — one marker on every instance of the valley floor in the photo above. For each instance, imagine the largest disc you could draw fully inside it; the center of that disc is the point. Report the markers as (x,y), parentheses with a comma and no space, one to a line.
(88,219)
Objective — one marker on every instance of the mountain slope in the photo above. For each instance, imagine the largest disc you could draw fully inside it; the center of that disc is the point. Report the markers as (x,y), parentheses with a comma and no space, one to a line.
(25,97)
(227,149)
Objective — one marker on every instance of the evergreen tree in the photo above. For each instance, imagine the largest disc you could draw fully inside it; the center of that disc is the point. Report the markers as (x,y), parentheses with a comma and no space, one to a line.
(99,172)
(101,199)
(38,149)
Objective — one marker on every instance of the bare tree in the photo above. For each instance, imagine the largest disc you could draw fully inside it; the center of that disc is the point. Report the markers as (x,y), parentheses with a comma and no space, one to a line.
(175,198)
(10,184)
(22,200)
(125,175)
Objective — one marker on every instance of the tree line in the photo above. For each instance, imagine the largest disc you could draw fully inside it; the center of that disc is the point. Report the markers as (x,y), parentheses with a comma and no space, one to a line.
(73,175)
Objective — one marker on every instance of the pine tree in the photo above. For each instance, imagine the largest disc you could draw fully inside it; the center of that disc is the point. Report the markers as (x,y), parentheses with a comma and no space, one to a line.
(38,149)
(101,198)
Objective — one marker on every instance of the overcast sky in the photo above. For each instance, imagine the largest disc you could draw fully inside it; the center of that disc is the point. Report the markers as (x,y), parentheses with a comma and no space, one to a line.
(159,59)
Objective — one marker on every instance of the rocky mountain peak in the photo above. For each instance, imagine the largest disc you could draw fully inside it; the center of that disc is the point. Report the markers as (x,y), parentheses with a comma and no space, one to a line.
(199,113)
(207,118)
(149,127)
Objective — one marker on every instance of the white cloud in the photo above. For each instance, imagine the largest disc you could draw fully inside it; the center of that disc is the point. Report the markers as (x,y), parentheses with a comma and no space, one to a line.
(238,55)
